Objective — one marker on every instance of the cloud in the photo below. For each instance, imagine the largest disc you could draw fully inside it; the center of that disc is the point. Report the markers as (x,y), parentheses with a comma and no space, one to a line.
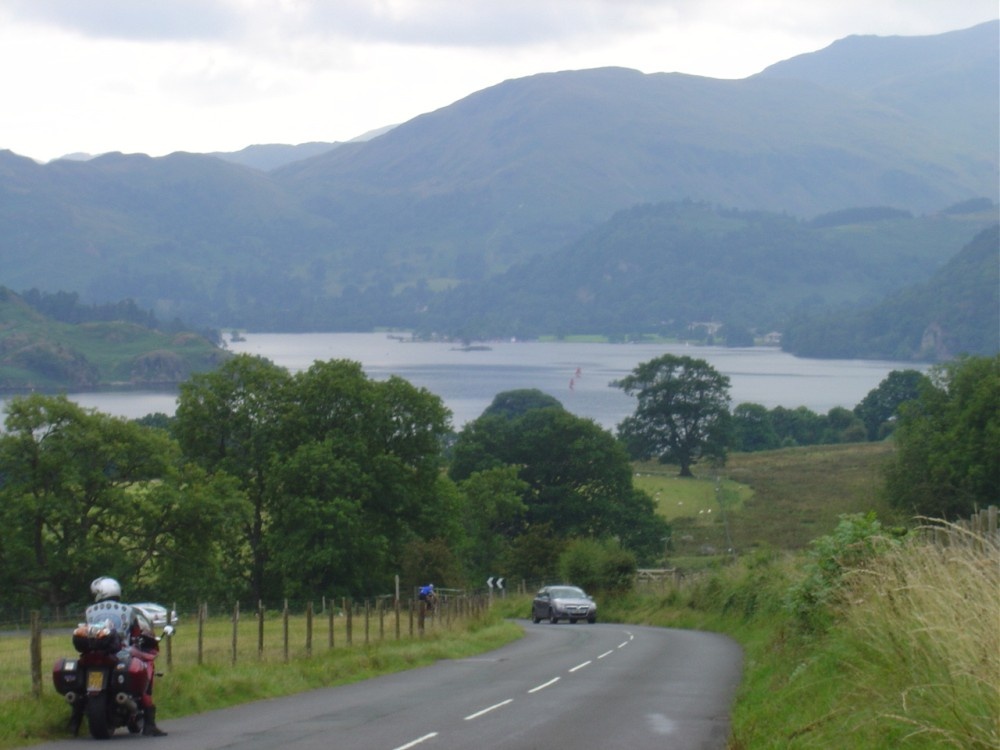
(136,20)
(278,26)
(449,23)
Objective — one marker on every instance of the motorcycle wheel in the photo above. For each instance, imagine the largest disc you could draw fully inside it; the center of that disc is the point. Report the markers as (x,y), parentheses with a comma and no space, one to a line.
(98,720)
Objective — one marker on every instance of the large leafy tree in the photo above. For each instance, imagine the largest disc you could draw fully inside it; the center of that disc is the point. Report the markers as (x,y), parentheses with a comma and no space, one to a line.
(682,413)
(229,421)
(947,462)
(84,494)
(493,515)
(578,477)
(360,478)
(753,429)
(341,471)
(879,408)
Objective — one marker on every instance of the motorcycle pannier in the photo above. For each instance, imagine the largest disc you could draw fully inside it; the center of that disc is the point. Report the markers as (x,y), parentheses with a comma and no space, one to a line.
(96,637)
(66,675)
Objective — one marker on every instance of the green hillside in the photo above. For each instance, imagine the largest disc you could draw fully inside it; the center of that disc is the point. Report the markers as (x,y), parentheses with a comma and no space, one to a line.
(38,353)
(657,268)
(956,312)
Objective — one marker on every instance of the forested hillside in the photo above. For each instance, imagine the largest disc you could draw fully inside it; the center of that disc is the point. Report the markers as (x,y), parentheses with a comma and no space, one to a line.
(658,268)
(956,312)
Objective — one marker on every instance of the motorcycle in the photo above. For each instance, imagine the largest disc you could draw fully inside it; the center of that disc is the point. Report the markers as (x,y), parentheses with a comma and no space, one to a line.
(113,671)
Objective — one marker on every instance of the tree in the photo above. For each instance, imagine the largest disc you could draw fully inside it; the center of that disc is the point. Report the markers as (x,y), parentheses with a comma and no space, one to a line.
(947,462)
(229,420)
(752,428)
(798,426)
(598,565)
(493,515)
(843,426)
(879,409)
(360,478)
(342,471)
(516,403)
(84,494)
(682,414)
(578,476)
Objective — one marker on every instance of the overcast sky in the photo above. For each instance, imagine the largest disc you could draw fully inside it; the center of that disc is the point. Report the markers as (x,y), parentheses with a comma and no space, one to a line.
(156,76)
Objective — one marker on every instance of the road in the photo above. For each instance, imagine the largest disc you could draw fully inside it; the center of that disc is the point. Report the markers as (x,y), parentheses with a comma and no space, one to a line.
(595,686)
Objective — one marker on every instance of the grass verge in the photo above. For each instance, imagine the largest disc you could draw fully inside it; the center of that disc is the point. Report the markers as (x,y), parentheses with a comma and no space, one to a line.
(188,688)
(910,659)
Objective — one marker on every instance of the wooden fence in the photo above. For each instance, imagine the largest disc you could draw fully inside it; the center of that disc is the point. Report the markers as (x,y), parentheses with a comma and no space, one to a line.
(979,530)
(267,635)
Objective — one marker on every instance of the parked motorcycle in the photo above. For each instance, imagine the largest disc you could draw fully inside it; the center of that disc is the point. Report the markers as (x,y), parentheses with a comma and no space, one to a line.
(106,682)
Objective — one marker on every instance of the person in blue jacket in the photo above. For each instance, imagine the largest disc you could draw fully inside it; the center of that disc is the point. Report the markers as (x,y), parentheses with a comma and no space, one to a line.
(427,595)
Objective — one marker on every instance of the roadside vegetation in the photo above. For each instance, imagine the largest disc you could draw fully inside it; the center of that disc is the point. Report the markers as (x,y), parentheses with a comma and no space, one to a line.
(859,629)
(187,688)
(895,648)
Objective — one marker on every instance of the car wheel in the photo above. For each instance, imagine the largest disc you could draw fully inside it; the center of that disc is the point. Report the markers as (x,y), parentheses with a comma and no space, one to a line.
(592,619)
(535,618)
(552,617)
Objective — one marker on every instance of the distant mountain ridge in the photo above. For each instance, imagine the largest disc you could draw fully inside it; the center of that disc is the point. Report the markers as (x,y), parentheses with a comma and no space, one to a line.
(503,178)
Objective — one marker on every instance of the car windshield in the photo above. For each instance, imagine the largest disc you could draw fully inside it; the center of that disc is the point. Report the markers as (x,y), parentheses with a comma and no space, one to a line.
(567,592)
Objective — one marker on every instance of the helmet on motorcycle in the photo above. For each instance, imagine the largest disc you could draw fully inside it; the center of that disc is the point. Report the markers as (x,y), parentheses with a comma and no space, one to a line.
(105,588)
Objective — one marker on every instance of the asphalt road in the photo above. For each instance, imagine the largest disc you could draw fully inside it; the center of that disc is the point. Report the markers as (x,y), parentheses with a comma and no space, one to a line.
(596,687)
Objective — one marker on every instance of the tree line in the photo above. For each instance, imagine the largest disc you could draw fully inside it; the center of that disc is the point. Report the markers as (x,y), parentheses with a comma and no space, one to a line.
(267,484)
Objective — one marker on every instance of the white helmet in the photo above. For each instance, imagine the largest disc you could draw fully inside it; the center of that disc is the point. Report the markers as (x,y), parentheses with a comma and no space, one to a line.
(105,588)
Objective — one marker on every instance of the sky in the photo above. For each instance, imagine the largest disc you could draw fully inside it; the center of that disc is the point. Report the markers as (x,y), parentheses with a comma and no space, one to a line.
(158,76)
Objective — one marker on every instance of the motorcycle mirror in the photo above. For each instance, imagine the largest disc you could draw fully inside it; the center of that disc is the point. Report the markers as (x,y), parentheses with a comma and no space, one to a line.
(168,630)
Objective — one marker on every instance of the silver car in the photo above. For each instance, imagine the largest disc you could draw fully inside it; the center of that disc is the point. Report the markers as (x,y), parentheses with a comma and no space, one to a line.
(556,603)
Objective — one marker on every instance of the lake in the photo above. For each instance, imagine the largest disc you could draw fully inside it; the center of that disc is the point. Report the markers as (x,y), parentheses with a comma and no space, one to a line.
(578,374)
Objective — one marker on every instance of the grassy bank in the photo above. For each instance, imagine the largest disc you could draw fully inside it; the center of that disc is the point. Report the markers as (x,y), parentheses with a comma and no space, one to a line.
(907,654)
(188,688)
(897,648)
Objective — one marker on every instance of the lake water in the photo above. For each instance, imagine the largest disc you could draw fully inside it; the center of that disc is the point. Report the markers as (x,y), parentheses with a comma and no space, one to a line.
(578,374)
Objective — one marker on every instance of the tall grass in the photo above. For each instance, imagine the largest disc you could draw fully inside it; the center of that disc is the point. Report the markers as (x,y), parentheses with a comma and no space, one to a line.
(921,637)
(910,657)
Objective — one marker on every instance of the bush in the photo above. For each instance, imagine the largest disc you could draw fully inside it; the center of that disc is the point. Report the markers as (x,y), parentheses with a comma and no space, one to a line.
(598,565)
(857,539)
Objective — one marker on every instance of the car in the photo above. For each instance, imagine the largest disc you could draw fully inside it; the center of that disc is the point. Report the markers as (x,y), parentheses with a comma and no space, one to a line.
(563,602)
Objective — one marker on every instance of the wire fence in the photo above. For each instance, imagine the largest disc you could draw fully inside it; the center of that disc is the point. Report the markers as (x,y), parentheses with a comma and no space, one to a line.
(238,634)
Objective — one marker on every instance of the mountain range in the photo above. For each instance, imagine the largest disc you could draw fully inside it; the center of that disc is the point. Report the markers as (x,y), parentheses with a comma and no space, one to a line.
(506,183)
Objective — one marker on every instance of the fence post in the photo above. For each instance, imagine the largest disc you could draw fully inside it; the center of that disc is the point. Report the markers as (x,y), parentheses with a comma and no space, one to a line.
(201,633)
(260,629)
(36,653)
(284,622)
(329,615)
(379,605)
(309,629)
(395,607)
(349,607)
(409,610)
(236,627)
(367,617)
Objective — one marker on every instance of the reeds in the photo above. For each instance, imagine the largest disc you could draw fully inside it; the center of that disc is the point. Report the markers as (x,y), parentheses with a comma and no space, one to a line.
(922,623)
